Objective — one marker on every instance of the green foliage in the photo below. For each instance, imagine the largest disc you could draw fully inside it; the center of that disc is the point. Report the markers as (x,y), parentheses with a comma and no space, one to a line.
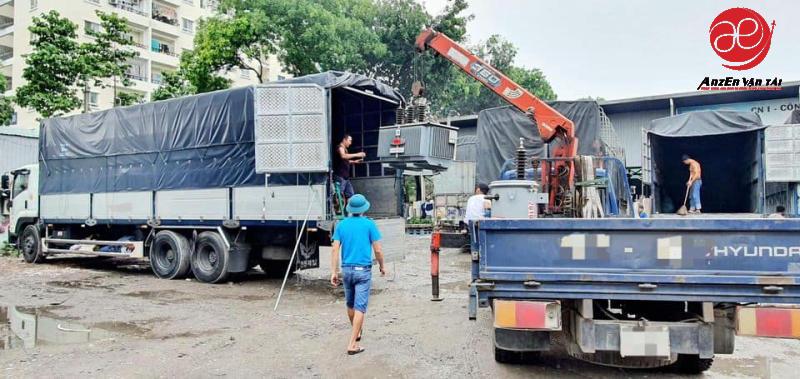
(58,63)
(51,68)
(419,221)
(174,84)
(127,98)
(374,37)
(466,95)
(8,250)
(106,56)
(6,107)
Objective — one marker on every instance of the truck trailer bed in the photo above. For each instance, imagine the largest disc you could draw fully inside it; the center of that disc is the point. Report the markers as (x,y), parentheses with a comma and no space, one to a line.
(670,259)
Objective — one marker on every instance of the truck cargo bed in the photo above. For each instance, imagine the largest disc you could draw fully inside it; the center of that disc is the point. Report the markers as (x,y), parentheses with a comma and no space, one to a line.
(676,259)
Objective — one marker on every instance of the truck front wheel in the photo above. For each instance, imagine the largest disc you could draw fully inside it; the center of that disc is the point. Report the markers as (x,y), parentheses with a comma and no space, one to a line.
(170,255)
(210,258)
(31,245)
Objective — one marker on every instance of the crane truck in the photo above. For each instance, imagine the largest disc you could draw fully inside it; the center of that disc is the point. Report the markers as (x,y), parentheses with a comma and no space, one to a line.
(617,289)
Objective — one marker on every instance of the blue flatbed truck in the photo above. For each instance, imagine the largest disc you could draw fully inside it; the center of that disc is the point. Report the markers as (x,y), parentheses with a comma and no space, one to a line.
(636,292)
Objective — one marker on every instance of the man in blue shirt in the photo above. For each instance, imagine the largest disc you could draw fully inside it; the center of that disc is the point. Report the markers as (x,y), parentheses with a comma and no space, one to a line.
(356,237)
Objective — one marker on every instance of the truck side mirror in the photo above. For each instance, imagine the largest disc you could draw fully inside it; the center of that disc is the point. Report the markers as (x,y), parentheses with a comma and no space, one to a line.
(5,182)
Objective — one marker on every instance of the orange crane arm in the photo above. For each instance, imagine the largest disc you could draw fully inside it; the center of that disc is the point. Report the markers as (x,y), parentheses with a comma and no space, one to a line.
(550,122)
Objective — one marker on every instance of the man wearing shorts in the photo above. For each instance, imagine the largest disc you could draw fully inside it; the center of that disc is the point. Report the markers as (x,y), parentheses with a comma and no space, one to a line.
(355,238)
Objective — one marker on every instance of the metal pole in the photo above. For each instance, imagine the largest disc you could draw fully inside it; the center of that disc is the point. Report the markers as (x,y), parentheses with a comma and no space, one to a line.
(296,245)
(435,243)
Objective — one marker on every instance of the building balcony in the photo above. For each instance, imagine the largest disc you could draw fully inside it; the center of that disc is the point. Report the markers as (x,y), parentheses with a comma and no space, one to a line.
(164,13)
(133,6)
(136,76)
(6,26)
(164,47)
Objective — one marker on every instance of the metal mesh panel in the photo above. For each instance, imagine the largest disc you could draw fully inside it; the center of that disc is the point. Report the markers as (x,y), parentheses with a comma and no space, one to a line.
(291,129)
(610,138)
(272,128)
(306,128)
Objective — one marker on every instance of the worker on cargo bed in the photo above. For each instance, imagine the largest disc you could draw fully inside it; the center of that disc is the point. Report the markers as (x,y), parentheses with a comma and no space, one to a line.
(695,182)
(342,161)
(356,237)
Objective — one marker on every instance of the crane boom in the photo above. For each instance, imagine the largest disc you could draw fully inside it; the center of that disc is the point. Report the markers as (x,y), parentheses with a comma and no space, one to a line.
(550,122)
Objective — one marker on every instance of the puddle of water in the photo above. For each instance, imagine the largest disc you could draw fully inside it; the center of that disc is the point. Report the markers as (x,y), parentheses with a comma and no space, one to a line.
(27,328)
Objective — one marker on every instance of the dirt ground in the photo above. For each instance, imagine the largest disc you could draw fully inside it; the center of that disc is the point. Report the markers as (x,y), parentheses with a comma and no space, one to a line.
(141,326)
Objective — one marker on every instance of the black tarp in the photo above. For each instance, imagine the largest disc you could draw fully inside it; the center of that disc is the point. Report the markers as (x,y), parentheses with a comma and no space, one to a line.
(201,141)
(728,146)
(499,131)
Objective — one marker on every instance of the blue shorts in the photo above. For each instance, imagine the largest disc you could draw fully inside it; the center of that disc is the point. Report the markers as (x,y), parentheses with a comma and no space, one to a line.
(357,282)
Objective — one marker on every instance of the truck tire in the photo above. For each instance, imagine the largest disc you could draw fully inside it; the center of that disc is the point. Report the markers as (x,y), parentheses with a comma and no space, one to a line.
(170,254)
(692,364)
(210,258)
(30,244)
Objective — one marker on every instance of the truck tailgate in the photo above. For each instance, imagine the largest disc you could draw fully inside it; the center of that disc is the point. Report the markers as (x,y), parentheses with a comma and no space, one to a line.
(745,260)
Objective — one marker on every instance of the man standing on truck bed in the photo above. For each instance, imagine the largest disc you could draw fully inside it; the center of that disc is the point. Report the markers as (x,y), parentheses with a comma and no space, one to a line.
(356,237)
(342,161)
(695,182)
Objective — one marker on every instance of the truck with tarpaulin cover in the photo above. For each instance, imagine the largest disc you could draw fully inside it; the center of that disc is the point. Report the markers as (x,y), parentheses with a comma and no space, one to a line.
(210,185)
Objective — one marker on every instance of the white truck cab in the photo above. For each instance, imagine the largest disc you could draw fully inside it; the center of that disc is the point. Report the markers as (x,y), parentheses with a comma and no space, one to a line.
(23,199)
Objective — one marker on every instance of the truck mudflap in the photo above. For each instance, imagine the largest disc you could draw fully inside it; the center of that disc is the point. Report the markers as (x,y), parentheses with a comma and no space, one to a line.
(724,260)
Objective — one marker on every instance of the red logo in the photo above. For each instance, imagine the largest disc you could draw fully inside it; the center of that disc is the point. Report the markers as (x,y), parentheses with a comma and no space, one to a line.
(741,37)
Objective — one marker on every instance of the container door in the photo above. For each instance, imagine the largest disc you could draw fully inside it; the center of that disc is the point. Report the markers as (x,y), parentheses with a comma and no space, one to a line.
(292,129)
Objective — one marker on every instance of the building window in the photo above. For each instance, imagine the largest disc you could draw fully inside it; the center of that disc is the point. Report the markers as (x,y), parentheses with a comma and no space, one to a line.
(93,98)
(91,26)
(188,25)
(34,4)
(209,4)
(244,74)
(190,2)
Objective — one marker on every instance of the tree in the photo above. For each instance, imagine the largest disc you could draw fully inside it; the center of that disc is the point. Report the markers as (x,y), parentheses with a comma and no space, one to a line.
(6,107)
(124,99)
(466,95)
(58,63)
(107,56)
(51,68)
(174,84)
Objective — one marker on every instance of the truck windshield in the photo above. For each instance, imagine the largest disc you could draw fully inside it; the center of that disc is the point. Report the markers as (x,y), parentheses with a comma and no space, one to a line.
(20,183)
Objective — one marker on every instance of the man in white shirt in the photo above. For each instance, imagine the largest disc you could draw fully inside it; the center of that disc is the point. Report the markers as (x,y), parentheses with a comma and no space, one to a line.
(477,204)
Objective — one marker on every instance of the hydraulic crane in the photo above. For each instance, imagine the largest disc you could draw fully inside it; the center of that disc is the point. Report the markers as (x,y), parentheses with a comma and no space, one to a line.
(554,128)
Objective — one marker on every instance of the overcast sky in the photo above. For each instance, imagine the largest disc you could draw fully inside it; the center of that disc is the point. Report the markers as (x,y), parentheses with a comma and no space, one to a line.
(627,48)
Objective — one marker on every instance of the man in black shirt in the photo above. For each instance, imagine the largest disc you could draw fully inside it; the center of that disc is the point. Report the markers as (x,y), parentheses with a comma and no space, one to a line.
(342,161)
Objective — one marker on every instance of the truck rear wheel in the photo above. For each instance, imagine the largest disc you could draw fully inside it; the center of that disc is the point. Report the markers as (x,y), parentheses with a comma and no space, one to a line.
(210,258)
(30,244)
(170,255)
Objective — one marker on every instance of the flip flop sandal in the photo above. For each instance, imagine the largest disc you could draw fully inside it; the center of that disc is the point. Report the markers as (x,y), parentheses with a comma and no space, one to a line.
(354,352)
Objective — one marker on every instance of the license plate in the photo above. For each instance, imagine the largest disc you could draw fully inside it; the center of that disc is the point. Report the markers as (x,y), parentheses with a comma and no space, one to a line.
(397,150)
(647,341)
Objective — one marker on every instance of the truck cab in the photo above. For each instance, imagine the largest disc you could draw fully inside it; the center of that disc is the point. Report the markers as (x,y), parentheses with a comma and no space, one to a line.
(22,201)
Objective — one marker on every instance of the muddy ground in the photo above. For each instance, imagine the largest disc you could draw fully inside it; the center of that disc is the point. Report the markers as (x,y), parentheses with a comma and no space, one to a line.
(140,326)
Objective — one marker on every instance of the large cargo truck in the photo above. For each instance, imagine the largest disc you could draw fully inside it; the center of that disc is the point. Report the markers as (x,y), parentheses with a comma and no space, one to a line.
(645,292)
(211,184)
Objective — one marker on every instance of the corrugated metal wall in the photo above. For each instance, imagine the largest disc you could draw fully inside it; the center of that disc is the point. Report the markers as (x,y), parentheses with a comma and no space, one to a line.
(16,151)
(629,127)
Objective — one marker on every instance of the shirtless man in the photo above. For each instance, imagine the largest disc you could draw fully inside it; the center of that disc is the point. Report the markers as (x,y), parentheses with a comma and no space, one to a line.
(695,182)
(342,161)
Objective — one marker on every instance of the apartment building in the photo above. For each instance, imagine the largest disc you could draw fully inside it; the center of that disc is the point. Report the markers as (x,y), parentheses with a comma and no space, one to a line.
(159,29)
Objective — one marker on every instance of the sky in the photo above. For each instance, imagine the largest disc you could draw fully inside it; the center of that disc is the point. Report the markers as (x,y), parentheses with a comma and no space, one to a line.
(626,48)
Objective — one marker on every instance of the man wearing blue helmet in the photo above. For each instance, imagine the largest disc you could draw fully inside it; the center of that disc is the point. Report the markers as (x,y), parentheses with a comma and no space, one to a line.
(355,238)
